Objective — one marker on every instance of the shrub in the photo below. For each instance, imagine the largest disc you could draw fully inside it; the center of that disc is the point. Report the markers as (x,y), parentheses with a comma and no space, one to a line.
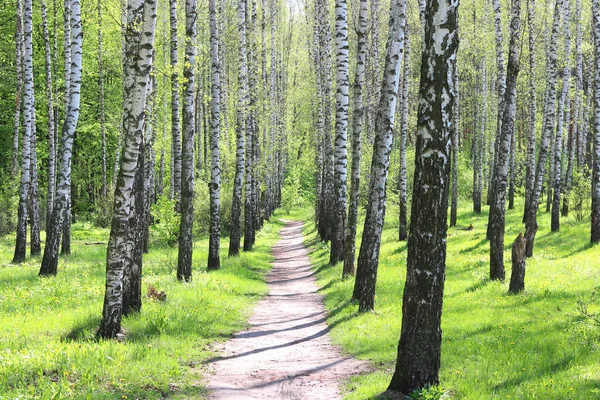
(166,221)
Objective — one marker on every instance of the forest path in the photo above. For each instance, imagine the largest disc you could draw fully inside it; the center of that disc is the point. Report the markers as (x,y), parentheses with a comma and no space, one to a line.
(286,352)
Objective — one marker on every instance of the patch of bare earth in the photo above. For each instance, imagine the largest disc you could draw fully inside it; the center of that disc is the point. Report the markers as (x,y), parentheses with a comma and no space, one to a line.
(286,352)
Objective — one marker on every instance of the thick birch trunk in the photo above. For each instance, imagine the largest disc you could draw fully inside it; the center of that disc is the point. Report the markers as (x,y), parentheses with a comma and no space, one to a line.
(419,349)
(186,237)
(141,19)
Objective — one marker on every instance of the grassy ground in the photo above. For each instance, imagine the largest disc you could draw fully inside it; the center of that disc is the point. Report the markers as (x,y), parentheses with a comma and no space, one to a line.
(47,346)
(535,345)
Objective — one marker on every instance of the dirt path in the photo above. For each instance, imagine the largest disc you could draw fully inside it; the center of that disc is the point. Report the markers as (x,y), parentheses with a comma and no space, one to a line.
(285,353)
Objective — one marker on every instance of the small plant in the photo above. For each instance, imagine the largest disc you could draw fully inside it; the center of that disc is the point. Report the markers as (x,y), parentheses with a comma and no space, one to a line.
(429,393)
(586,326)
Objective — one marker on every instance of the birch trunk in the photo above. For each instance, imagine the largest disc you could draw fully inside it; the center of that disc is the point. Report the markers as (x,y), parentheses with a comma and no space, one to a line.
(357,130)
(18,98)
(455,137)
(28,103)
(35,247)
(497,207)
(241,133)
(215,174)
(550,110)
(575,128)
(51,128)
(340,162)
(175,127)
(368,257)
(532,128)
(419,349)
(403,221)
(595,235)
(558,141)
(102,108)
(186,237)
(60,211)
(139,43)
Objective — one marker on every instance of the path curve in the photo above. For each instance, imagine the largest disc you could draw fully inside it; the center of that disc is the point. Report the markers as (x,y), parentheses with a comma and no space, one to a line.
(286,352)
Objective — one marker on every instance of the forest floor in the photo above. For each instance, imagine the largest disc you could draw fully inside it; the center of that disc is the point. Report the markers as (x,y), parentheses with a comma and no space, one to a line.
(543,343)
(47,325)
(285,353)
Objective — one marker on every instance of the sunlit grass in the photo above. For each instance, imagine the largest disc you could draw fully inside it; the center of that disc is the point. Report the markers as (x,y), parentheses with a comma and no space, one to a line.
(47,325)
(528,346)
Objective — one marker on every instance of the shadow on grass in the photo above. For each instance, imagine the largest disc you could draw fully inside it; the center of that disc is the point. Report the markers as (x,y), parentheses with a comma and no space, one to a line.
(552,369)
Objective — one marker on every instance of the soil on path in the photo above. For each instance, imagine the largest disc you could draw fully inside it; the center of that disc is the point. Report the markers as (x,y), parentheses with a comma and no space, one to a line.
(286,352)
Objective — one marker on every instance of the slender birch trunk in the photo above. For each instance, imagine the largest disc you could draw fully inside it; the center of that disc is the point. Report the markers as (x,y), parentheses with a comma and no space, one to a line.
(497,207)
(102,108)
(35,247)
(532,128)
(19,74)
(340,162)
(575,128)
(357,131)
(141,20)
(419,349)
(215,175)
(550,113)
(235,233)
(60,211)
(455,137)
(595,235)
(175,127)
(28,104)
(403,220)
(368,257)
(51,128)
(562,102)
(186,237)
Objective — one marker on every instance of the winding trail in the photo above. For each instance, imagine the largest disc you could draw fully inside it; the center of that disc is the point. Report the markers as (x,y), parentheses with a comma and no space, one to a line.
(286,352)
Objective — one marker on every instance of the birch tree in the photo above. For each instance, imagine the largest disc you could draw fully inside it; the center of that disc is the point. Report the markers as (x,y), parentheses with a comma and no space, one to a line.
(368,257)
(215,167)
(139,35)
(531,225)
(595,236)
(235,233)
(497,207)
(532,127)
(357,130)
(60,211)
(562,100)
(419,349)
(340,162)
(28,104)
(403,223)
(102,108)
(175,127)
(186,237)
(51,128)
(19,93)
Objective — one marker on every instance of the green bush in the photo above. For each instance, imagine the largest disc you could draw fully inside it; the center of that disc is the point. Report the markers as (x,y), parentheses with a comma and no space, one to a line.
(581,193)
(9,200)
(166,221)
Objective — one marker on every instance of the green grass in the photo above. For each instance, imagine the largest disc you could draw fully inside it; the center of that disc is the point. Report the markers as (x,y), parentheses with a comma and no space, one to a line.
(47,345)
(535,345)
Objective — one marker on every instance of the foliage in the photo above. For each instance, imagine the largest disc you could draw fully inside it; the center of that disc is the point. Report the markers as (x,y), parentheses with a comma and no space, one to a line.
(586,324)
(292,194)
(8,204)
(166,221)
(581,193)
(47,325)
